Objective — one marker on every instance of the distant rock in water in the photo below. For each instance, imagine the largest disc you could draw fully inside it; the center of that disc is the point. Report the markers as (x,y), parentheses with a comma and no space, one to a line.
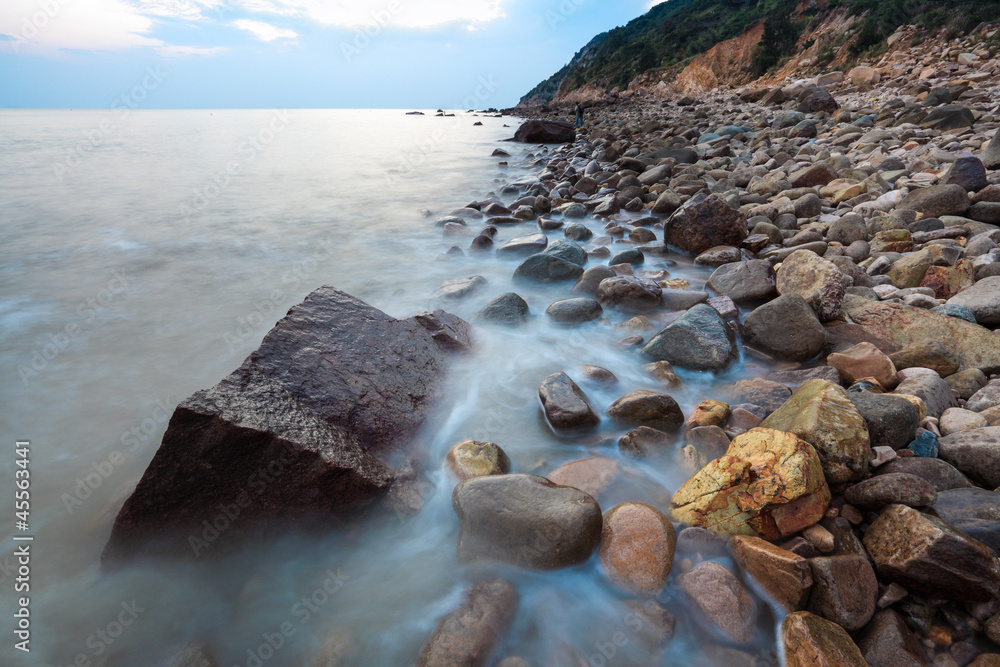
(302,428)
(545,132)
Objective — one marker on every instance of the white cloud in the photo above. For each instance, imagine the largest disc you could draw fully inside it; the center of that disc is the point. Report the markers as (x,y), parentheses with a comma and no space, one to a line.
(100,25)
(171,51)
(180,9)
(265,32)
(45,27)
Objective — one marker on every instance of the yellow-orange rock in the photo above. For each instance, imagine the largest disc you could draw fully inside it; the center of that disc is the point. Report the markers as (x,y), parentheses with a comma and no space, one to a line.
(769,483)
(708,413)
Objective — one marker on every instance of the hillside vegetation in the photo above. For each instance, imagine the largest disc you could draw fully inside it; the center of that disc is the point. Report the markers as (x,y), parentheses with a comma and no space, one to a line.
(672,33)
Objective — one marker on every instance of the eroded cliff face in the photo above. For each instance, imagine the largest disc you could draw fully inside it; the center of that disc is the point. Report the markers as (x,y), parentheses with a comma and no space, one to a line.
(726,63)
(729,64)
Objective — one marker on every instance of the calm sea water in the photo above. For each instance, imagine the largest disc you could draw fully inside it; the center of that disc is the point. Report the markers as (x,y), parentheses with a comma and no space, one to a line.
(142,259)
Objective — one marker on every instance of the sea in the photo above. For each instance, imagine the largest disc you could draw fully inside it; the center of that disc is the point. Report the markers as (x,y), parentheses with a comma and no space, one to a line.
(145,253)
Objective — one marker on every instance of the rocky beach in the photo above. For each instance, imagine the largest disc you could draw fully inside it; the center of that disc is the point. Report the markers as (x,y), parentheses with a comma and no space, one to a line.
(808,273)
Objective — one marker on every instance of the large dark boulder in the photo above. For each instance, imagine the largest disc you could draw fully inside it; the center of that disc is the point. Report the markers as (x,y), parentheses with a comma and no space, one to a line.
(698,340)
(545,132)
(302,429)
(704,222)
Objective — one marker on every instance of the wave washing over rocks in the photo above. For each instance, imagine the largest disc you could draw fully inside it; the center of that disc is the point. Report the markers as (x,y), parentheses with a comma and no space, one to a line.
(849,484)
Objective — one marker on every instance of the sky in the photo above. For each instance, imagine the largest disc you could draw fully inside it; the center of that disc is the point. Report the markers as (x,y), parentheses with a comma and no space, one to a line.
(290,53)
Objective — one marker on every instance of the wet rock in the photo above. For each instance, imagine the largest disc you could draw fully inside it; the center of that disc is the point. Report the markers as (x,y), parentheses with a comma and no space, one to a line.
(542,268)
(785,577)
(591,475)
(975,512)
(525,520)
(566,250)
(932,390)
(816,280)
(812,641)
(592,278)
(975,453)
(647,408)
(629,294)
(565,405)
(655,622)
(719,255)
(333,387)
(752,281)
(577,232)
(545,132)
(861,361)
(937,200)
(930,354)
(765,393)
(631,256)
(575,310)
(887,642)
(724,604)
(983,299)
(893,326)
(844,590)
(789,491)
(892,420)
(598,375)
(901,488)
(467,636)
(644,440)
(698,340)
(473,458)
(822,414)
(637,547)
(458,288)
(704,221)
(924,554)
(524,245)
(508,310)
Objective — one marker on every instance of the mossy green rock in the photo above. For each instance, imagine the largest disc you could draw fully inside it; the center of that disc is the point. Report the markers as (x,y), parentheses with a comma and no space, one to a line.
(821,414)
(909,270)
(812,641)
(474,458)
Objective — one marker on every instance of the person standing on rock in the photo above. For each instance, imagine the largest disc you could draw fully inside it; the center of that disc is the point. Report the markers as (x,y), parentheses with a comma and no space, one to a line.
(579,114)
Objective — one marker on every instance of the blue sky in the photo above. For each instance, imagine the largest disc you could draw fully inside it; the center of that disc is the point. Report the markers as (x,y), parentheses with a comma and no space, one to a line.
(290,53)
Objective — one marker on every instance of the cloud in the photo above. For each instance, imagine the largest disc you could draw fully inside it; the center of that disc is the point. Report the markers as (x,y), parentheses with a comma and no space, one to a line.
(171,51)
(31,26)
(96,25)
(179,9)
(265,32)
